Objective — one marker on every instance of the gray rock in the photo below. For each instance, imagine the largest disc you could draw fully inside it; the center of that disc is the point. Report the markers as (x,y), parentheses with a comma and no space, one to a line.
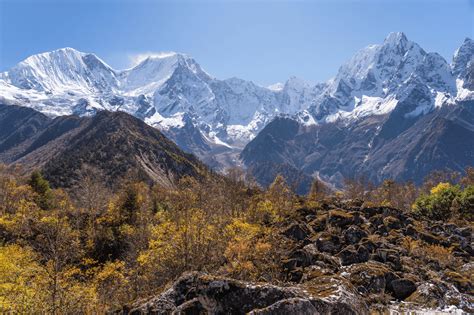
(295,306)
(198,293)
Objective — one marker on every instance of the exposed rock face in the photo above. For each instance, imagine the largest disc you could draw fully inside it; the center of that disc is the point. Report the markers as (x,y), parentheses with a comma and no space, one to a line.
(196,293)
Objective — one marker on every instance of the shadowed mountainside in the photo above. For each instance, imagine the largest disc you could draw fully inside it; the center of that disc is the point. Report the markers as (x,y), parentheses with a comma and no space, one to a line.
(115,143)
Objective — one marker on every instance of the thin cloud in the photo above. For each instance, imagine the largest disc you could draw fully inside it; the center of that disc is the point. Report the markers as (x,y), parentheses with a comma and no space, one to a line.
(135,59)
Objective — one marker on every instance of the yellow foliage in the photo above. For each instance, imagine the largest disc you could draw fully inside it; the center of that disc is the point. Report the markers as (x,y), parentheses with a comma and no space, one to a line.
(182,243)
(439,188)
(19,280)
(112,285)
(247,249)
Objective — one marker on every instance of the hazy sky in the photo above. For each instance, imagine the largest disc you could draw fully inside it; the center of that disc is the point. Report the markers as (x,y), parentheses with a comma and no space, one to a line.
(263,41)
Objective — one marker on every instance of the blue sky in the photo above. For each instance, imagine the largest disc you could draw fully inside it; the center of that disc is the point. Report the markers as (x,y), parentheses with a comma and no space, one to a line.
(263,41)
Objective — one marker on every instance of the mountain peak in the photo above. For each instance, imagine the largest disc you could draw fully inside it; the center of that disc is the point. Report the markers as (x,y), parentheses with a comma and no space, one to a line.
(155,69)
(61,53)
(170,57)
(468,40)
(396,38)
(462,57)
(64,69)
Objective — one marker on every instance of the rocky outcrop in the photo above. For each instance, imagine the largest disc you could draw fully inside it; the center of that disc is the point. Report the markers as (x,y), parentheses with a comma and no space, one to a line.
(341,258)
(380,254)
(198,293)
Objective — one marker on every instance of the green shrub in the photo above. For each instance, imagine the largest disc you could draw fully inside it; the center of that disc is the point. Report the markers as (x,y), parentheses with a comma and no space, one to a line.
(438,204)
(464,203)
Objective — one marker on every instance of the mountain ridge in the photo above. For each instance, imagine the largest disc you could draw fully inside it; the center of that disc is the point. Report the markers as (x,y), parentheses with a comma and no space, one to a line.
(116,144)
(216,119)
(160,89)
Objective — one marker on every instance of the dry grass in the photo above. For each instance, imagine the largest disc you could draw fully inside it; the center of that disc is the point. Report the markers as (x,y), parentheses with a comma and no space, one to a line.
(440,254)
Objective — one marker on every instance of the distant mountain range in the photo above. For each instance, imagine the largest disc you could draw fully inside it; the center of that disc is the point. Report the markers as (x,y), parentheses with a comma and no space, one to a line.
(393,110)
(202,114)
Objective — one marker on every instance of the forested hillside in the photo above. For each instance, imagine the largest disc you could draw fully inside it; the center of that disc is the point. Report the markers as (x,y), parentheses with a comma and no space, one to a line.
(90,249)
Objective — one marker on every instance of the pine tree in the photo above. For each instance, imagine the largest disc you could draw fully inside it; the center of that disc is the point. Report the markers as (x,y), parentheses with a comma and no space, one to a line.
(41,187)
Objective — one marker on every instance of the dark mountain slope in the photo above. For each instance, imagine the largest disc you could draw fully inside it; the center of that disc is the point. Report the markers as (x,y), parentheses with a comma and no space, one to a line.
(443,139)
(376,147)
(116,143)
(17,126)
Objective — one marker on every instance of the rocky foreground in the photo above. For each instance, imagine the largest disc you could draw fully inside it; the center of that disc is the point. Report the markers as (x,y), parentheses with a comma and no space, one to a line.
(345,258)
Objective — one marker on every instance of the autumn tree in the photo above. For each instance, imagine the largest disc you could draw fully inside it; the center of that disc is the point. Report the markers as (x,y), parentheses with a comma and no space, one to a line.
(357,188)
(91,193)
(468,178)
(281,197)
(20,280)
(318,190)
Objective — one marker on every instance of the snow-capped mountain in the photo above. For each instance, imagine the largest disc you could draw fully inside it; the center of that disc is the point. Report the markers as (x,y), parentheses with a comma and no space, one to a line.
(463,68)
(161,90)
(64,70)
(392,111)
(172,92)
(371,82)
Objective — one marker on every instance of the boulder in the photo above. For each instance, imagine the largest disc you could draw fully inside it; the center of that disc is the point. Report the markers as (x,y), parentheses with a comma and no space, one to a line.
(297,231)
(401,288)
(392,223)
(430,238)
(319,223)
(465,231)
(191,307)
(340,218)
(376,220)
(316,271)
(342,294)
(328,243)
(289,306)
(350,255)
(461,281)
(353,234)
(410,230)
(368,278)
(371,211)
(388,256)
(429,295)
(320,258)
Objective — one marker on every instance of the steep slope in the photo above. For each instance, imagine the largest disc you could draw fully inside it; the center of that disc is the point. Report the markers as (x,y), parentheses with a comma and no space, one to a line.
(17,126)
(115,143)
(377,147)
(440,140)
(371,82)
(463,68)
(392,111)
